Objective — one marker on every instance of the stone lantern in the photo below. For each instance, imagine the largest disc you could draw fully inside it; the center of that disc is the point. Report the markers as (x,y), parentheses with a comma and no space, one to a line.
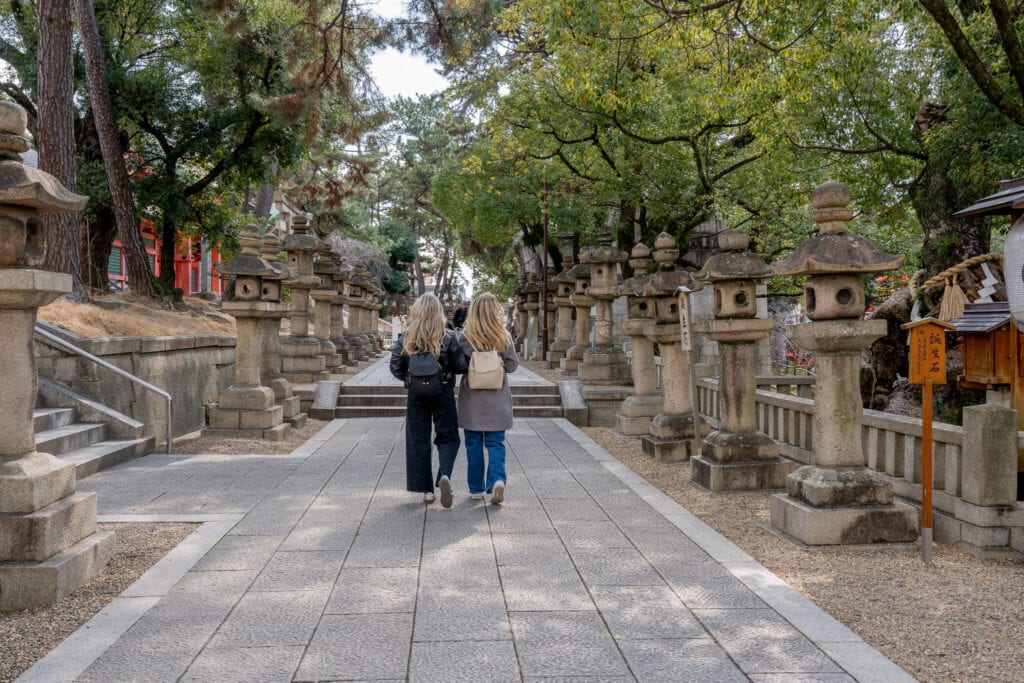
(634,416)
(49,545)
(564,285)
(357,312)
(605,363)
(671,434)
(345,288)
(373,315)
(323,296)
(838,501)
(247,408)
(337,328)
(270,333)
(737,457)
(300,353)
(582,303)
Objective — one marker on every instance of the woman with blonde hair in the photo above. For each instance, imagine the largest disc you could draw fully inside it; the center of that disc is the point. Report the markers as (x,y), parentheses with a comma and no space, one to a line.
(426,358)
(485,414)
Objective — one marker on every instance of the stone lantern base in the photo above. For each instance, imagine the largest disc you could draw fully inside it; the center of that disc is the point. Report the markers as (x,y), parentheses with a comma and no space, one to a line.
(671,437)
(301,360)
(740,461)
(248,412)
(49,545)
(556,352)
(635,415)
(605,365)
(569,364)
(841,507)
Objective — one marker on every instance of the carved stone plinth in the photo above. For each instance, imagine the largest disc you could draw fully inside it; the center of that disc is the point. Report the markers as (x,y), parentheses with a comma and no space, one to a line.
(737,457)
(838,501)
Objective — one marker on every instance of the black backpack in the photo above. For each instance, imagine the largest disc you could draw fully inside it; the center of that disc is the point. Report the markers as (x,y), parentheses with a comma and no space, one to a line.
(424,376)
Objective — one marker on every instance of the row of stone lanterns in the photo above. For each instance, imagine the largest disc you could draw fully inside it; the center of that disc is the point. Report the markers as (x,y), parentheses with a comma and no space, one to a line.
(835,501)
(261,401)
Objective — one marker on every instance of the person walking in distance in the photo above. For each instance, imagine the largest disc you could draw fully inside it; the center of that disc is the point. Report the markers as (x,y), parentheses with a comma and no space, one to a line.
(426,359)
(485,399)
(459,317)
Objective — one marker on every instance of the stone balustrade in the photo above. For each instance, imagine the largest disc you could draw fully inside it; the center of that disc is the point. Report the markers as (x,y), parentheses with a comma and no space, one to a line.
(892,443)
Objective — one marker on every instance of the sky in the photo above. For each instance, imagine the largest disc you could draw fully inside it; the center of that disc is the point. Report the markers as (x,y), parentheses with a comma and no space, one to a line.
(403,73)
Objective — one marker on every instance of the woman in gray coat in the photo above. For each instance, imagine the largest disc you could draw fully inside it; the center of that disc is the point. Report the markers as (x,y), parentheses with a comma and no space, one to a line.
(485,414)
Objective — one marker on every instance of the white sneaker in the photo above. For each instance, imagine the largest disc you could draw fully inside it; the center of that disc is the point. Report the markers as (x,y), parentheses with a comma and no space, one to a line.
(499,493)
(428,497)
(476,496)
(445,485)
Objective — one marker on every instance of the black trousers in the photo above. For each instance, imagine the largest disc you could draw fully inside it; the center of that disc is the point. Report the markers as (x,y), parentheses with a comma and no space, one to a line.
(422,413)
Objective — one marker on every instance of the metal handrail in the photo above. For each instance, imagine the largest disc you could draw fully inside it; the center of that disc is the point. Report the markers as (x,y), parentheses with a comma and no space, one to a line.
(54,340)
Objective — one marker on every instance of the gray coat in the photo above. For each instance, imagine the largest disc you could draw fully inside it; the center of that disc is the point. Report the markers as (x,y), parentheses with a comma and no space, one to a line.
(486,410)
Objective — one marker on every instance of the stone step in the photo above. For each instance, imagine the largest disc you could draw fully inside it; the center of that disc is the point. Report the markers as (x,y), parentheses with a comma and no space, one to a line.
(399,411)
(399,400)
(105,454)
(49,418)
(396,390)
(61,439)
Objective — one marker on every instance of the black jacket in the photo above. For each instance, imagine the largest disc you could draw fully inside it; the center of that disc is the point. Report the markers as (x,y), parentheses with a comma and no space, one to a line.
(452,360)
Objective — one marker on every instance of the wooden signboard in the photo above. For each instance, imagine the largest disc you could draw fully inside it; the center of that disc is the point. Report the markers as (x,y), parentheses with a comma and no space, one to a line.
(927,366)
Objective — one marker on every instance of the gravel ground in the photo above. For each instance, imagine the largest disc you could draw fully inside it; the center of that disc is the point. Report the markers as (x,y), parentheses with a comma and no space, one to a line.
(26,636)
(961,619)
(225,446)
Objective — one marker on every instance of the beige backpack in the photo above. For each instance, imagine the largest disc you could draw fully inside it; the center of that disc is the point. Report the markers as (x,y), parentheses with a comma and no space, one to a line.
(486,369)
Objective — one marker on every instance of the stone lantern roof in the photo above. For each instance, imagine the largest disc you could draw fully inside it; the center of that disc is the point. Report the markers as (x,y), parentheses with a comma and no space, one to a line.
(581,271)
(641,262)
(301,239)
(23,185)
(669,276)
(834,250)
(249,262)
(270,249)
(735,262)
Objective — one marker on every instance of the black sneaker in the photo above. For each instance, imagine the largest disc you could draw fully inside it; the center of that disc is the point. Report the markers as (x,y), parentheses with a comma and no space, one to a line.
(445,485)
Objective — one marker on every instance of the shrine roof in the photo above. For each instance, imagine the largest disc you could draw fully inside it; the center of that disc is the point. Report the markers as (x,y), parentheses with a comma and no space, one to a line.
(983,317)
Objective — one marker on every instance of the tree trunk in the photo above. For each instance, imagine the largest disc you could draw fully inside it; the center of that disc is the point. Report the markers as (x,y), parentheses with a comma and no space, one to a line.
(948,239)
(56,135)
(168,234)
(101,240)
(140,277)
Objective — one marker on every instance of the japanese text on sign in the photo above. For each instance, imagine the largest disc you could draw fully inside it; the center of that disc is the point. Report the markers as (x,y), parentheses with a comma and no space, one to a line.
(684,321)
(927,354)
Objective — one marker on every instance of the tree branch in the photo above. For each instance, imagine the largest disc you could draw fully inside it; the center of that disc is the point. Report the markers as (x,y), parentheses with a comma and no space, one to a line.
(972,62)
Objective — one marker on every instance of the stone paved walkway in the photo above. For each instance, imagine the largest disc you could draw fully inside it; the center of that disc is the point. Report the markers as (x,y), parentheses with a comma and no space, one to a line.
(329,570)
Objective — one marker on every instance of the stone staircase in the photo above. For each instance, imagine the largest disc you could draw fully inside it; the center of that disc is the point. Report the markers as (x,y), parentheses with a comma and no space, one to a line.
(389,401)
(84,444)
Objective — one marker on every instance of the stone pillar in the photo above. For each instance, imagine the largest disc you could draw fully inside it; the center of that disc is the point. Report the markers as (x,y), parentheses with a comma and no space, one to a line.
(300,353)
(357,313)
(838,500)
(49,545)
(521,316)
(634,416)
(338,301)
(737,457)
(671,435)
(532,307)
(270,335)
(582,303)
(564,284)
(323,297)
(605,364)
(247,408)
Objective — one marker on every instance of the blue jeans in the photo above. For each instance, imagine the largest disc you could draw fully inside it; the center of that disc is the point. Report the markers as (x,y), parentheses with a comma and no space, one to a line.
(495,443)
(421,414)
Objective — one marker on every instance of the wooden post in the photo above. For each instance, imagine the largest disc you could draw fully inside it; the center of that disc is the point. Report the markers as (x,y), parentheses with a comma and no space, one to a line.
(927,365)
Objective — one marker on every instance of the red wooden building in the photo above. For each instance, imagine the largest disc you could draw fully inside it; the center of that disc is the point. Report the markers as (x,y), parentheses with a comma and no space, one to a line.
(187,260)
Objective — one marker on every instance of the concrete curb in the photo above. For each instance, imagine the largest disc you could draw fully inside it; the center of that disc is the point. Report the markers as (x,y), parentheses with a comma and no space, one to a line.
(68,660)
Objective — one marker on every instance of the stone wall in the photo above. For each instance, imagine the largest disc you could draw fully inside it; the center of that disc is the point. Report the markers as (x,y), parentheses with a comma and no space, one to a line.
(192,368)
